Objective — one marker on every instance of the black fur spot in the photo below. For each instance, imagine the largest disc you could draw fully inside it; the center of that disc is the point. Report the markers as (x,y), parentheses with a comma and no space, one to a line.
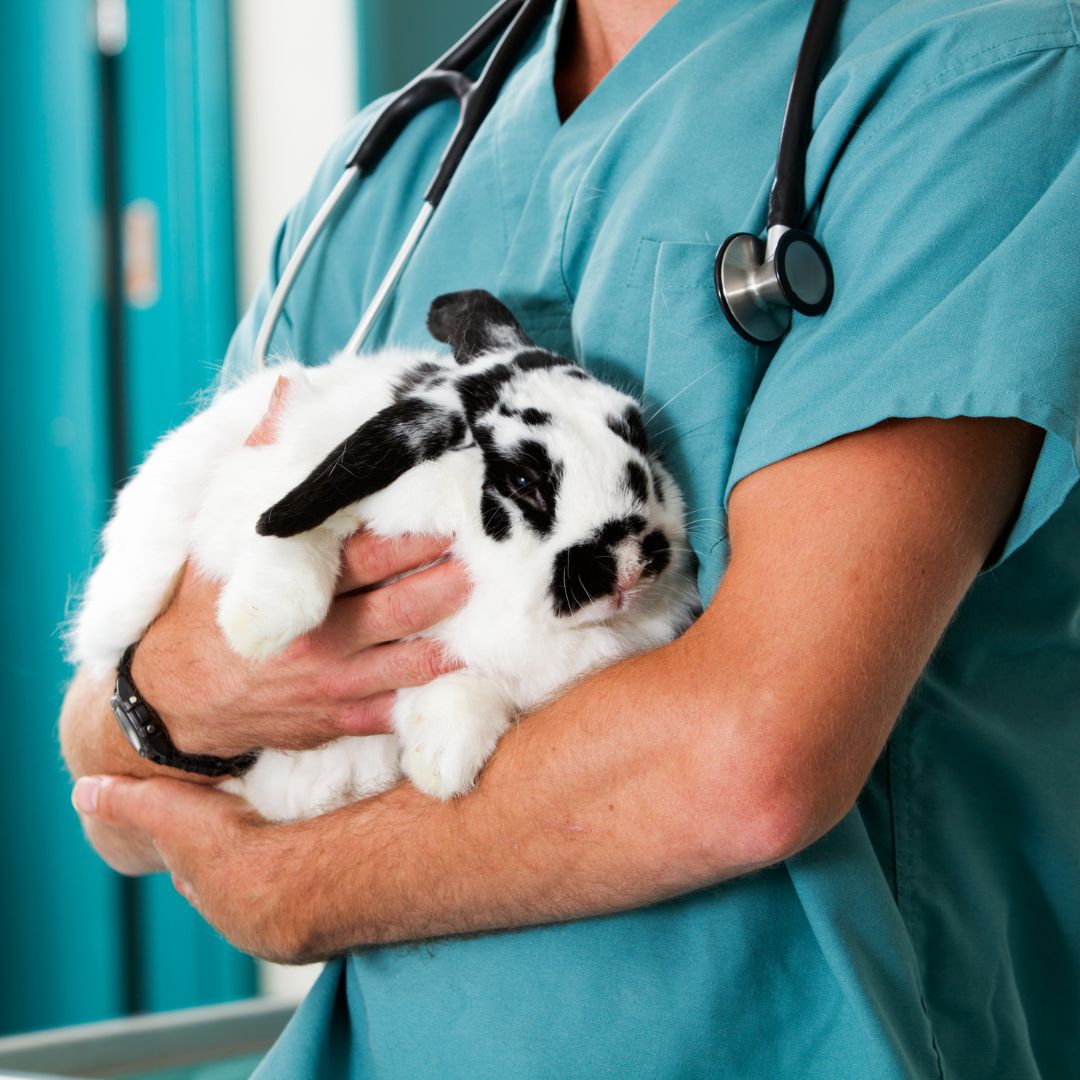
(616,531)
(479,393)
(485,438)
(540,360)
(585,572)
(535,417)
(578,373)
(656,551)
(493,515)
(637,480)
(631,428)
(531,416)
(658,485)
(473,322)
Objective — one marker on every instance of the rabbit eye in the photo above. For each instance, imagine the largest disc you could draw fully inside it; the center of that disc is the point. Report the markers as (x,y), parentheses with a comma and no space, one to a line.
(523,485)
(526,476)
(532,495)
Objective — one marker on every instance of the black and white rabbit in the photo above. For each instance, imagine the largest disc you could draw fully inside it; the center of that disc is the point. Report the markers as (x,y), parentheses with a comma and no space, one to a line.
(570,530)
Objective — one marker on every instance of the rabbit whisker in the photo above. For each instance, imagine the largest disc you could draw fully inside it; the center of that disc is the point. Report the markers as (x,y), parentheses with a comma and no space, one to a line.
(692,383)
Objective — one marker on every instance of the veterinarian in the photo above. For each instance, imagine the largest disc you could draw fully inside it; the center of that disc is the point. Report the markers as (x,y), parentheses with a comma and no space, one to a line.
(834,830)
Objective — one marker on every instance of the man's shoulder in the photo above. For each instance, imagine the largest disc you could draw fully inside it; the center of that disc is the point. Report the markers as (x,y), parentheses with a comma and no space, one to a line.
(917,44)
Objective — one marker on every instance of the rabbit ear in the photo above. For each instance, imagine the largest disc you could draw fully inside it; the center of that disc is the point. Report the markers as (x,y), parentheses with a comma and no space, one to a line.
(371,458)
(474,322)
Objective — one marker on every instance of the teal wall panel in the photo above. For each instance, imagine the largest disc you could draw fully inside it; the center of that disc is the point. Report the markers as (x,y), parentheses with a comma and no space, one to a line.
(398,38)
(60,945)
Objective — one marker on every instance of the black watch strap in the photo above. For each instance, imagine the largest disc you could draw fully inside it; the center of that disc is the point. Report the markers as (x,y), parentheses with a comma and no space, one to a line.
(146,732)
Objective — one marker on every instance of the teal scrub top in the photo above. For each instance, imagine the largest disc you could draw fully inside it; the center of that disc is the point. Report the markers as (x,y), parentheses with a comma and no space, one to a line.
(934,932)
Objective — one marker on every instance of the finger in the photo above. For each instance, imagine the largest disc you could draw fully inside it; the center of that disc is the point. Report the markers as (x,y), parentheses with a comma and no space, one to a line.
(185,889)
(159,807)
(367,559)
(385,668)
(369,716)
(266,429)
(399,610)
(400,664)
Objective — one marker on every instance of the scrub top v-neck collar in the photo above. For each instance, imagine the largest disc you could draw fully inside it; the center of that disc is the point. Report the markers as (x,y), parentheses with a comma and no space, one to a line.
(539,158)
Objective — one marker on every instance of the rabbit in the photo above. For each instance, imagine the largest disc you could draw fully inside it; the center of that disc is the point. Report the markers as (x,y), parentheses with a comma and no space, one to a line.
(571,532)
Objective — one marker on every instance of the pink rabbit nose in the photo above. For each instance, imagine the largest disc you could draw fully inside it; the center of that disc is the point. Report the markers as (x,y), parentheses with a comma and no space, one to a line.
(629,577)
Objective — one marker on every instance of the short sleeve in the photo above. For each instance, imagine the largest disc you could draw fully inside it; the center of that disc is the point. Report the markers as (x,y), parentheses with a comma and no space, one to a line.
(952,223)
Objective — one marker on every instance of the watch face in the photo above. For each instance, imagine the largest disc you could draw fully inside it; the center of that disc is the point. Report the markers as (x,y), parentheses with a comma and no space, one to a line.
(127,725)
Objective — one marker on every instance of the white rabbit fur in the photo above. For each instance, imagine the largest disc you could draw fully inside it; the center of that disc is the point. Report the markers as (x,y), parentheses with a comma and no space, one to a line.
(200,492)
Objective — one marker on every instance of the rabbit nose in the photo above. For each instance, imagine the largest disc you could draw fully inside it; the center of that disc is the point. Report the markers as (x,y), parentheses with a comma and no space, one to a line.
(629,576)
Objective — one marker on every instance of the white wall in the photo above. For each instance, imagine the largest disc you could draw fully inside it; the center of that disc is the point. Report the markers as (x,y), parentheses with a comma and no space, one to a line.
(295,86)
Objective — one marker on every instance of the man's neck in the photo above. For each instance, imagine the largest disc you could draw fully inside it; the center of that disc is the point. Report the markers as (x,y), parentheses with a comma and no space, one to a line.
(596,35)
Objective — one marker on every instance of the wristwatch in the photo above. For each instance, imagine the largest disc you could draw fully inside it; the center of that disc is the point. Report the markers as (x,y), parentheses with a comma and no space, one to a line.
(147,734)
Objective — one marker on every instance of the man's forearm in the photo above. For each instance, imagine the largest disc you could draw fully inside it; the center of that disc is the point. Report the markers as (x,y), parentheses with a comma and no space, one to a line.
(605,800)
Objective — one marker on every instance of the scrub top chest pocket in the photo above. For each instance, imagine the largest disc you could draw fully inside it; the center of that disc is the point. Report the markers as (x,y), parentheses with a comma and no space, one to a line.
(697,377)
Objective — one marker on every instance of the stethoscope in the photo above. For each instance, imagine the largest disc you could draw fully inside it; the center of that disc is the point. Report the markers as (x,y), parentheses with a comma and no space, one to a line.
(758,282)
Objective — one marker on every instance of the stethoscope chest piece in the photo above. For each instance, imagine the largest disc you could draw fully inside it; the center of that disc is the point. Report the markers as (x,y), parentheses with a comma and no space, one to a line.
(759,282)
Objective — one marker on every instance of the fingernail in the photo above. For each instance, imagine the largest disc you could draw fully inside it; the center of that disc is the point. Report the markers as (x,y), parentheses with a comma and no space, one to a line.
(183,888)
(84,797)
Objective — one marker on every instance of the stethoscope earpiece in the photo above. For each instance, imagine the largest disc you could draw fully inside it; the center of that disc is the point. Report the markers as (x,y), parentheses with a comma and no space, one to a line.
(758,283)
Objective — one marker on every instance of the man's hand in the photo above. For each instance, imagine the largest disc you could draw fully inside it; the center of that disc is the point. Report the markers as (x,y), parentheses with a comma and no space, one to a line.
(338,680)
(729,749)
(242,874)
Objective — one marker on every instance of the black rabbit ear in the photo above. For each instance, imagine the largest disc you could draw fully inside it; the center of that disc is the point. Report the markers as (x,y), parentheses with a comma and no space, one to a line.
(474,322)
(371,458)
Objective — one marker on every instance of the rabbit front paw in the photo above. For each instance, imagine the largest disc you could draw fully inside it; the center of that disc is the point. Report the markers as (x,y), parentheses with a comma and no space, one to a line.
(262,613)
(448,730)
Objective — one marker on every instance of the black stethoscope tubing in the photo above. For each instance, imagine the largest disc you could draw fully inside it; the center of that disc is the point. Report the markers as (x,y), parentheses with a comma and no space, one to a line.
(786,197)
(515,19)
